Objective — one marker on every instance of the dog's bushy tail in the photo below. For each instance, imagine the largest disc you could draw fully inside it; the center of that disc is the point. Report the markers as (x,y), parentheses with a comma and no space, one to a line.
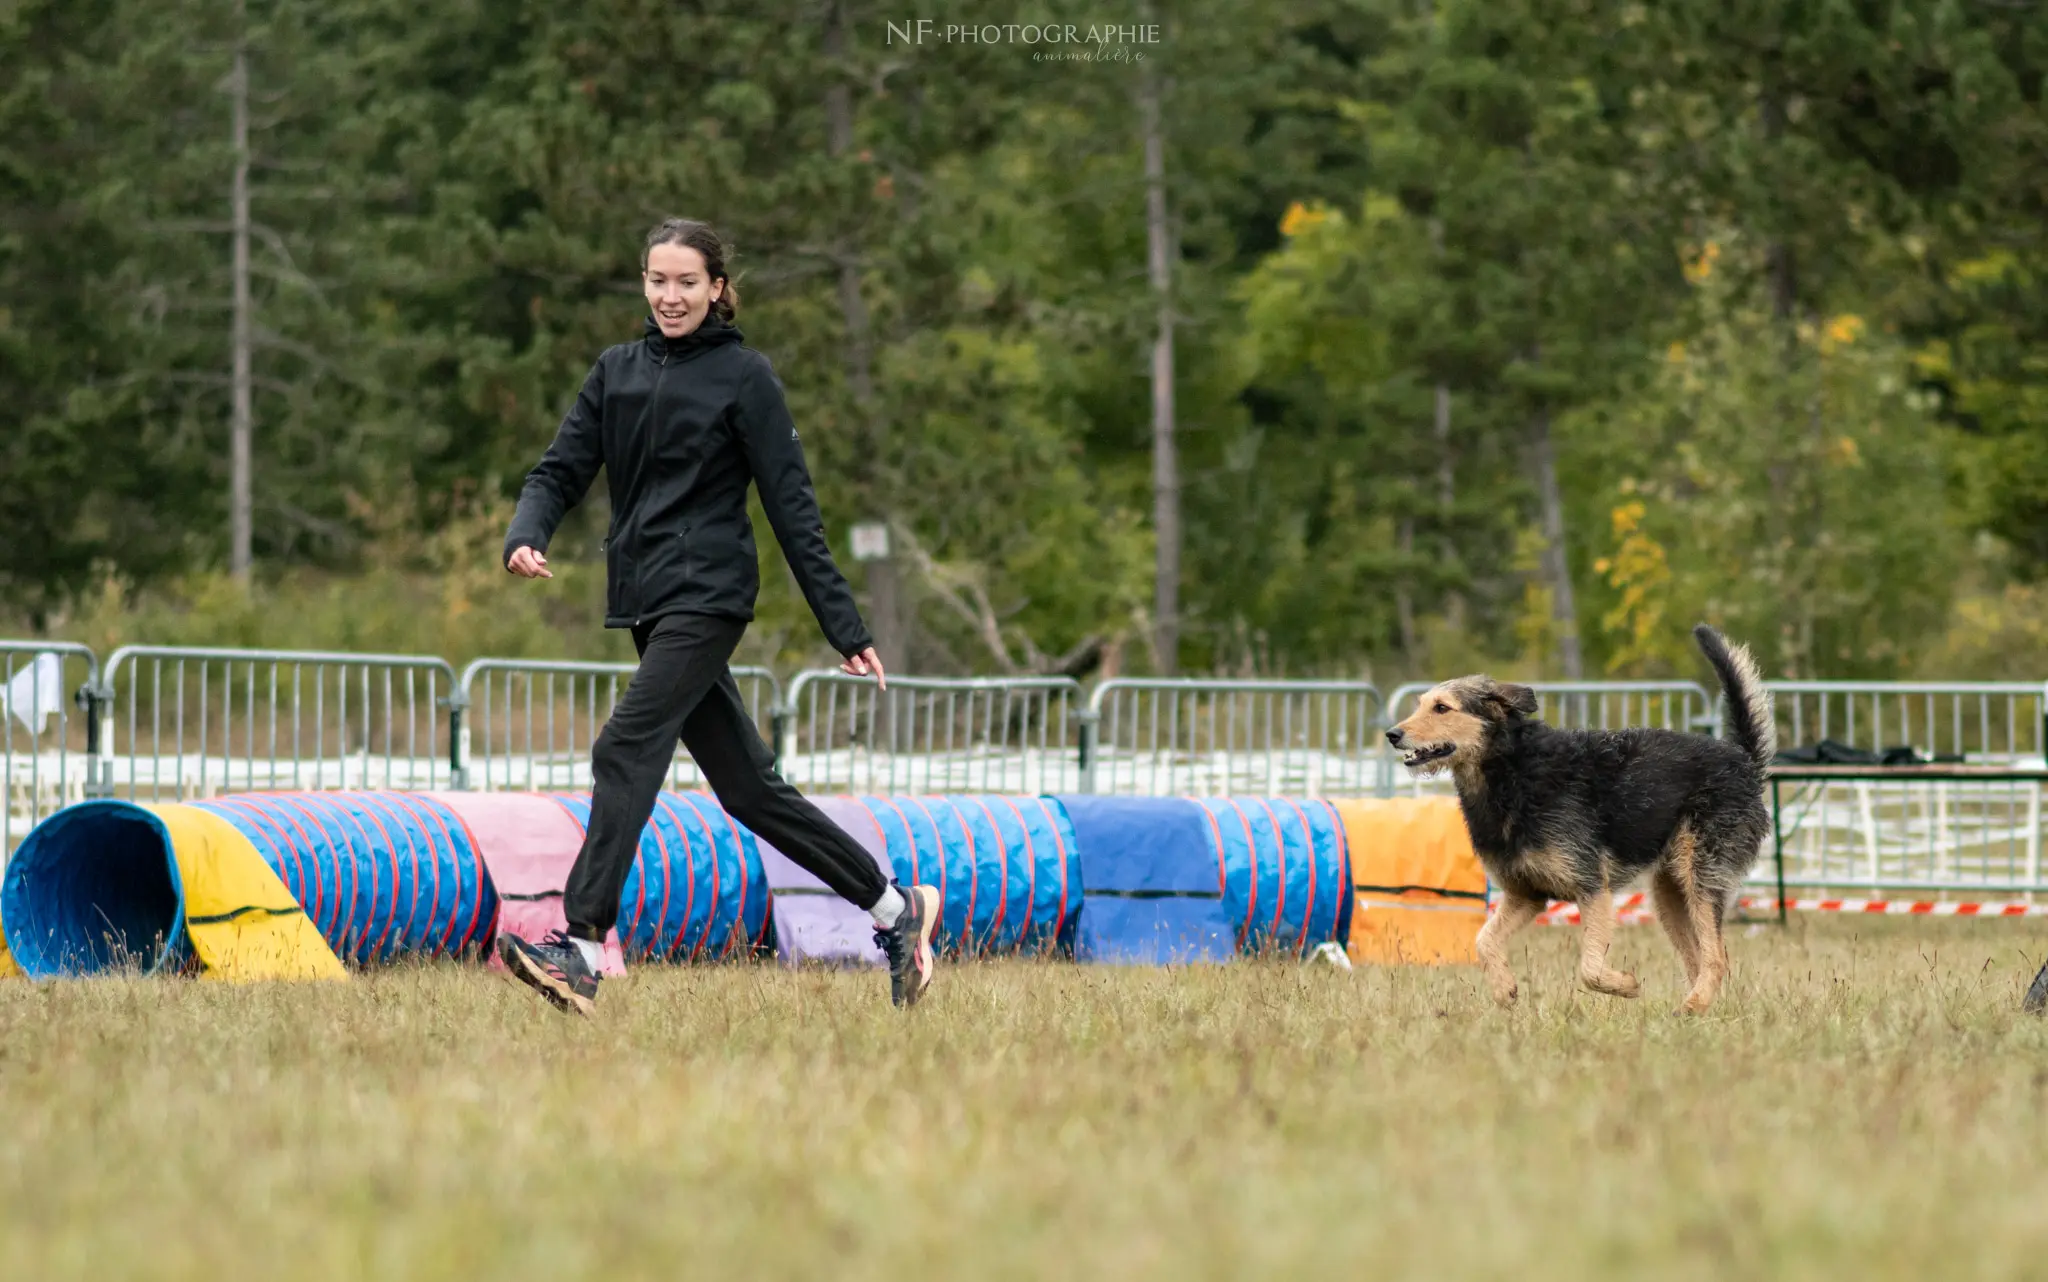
(1750,712)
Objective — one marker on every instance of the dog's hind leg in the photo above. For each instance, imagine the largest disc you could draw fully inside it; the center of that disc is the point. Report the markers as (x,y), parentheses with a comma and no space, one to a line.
(1676,919)
(1705,907)
(1597,913)
(1515,912)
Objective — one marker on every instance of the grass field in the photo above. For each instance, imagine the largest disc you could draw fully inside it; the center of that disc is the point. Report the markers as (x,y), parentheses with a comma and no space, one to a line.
(1865,1102)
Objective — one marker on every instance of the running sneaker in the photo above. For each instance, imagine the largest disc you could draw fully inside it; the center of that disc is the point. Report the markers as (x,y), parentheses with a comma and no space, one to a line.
(555,966)
(908,945)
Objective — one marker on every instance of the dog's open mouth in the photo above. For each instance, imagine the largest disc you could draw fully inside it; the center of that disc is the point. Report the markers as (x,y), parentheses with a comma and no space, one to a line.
(1416,758)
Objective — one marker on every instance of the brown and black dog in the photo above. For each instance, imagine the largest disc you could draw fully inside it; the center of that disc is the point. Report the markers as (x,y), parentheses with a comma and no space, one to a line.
(1580,814)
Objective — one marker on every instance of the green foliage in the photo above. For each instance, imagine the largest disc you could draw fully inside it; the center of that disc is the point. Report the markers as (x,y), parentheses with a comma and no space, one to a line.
(1785,482)
(1414,242)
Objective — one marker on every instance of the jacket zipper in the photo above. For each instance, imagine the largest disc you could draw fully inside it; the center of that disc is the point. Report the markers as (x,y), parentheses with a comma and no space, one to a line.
(646,450)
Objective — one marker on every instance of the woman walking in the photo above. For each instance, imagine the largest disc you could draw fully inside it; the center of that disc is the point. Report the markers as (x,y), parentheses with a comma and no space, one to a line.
(682,422)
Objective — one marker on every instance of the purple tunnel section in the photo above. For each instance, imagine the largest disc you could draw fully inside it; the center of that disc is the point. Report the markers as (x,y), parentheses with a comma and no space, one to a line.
(811,922)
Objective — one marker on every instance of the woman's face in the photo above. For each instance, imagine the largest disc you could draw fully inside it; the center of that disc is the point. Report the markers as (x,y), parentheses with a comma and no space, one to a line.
(679,288)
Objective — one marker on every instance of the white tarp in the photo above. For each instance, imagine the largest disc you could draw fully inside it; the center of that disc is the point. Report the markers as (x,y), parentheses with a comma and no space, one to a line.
(35,693)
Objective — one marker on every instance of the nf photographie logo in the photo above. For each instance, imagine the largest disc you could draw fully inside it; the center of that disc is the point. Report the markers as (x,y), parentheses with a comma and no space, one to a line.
(1050,41)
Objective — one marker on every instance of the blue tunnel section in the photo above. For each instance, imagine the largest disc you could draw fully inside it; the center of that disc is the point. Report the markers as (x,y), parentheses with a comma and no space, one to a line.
(696,890)
(1007,868)
(382,875)
(95,888)
(1174,880)
(1155,882)
(1286,871)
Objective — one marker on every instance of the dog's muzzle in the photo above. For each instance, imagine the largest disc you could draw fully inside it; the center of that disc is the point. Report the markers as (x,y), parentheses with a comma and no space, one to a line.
(1419,754)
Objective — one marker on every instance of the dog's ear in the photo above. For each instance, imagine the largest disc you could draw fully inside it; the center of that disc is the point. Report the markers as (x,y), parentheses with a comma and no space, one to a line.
(1513,700)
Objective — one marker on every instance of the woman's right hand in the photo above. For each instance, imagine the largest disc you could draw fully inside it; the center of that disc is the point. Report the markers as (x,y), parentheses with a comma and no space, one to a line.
(529,564)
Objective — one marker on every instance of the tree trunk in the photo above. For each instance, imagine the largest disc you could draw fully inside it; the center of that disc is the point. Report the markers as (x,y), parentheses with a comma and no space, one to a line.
(885,613)
(1446,470)
(1781,265)
(1165,466)
(241,413)
(1556,565)
(1446,501)
(1778,256)
(1404,599)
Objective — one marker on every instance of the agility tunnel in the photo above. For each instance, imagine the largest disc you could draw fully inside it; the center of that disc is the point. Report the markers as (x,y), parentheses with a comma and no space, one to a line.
(696,890)
(1419,889)
(1175,880)
(308,884)
(1007,870)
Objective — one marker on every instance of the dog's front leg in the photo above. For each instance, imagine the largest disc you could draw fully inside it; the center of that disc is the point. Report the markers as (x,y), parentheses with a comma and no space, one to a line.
(1514,912)
(1597,912)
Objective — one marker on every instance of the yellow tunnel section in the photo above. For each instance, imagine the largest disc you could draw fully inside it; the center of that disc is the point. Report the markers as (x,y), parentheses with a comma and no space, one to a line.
(167,887)
(1421,891)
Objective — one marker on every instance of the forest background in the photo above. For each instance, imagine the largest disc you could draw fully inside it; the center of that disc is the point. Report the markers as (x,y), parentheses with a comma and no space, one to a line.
(1362,338)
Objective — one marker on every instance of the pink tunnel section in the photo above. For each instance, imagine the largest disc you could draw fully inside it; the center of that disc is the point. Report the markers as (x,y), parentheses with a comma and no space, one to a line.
(527,843)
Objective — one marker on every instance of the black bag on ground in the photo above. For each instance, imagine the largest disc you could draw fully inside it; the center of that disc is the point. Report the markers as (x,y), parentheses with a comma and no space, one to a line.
(1831,752)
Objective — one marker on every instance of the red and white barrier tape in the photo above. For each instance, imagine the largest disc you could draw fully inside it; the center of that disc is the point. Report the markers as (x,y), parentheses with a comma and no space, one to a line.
(1634,909)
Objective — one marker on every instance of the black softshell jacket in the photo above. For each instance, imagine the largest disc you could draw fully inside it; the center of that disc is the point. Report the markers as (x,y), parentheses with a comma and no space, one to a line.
(681,428)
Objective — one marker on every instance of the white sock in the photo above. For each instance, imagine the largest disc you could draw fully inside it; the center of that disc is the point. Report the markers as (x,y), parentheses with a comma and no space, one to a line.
(593,952)
(888,908)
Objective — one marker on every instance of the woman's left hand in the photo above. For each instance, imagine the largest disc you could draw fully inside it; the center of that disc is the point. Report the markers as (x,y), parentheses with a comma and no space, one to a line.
(862,664)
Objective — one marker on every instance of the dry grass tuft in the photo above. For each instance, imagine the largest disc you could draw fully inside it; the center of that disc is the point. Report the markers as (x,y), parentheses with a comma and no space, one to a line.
(1865,1101)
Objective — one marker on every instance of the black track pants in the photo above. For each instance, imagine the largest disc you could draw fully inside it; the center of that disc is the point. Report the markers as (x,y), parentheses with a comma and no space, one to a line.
(684,689)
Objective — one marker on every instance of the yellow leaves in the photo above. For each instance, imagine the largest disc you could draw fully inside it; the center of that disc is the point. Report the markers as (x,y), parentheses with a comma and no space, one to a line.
(1701,265)
(1641,571)
(1675,354)
(1300,218)
(1844,451)
(1840,332)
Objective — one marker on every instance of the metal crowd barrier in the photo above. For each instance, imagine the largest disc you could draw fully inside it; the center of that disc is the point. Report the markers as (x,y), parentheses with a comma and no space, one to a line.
(1572,705)
(167,723)
(1872,835)
(1875,835)
(180,722)
(1985,721)
(1162,737)
(529,724)
(930,734)
(46,753)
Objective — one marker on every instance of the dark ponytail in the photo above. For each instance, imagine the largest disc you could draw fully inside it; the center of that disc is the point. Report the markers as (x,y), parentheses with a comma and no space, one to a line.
(700,237)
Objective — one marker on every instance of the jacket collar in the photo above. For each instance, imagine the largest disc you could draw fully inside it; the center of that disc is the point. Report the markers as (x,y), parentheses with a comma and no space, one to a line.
(713,332)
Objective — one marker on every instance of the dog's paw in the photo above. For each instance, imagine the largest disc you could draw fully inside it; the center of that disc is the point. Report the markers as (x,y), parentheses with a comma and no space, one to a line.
(1613,983)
